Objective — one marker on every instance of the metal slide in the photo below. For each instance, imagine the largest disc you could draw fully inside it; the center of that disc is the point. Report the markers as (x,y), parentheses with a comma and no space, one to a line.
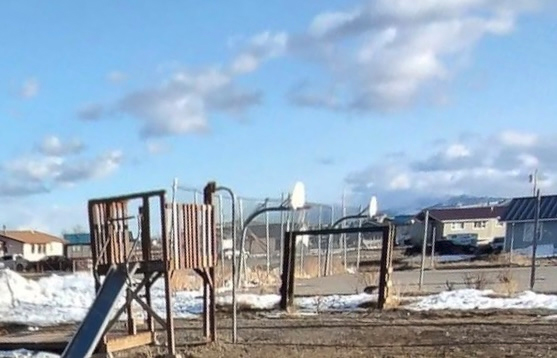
(87,337)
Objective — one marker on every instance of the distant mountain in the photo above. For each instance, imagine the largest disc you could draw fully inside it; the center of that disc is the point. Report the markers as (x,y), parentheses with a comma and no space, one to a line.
(468,200)
(446,202)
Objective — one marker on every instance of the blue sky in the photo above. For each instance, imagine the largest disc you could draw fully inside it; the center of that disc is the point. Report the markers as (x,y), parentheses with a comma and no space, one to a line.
(399,99)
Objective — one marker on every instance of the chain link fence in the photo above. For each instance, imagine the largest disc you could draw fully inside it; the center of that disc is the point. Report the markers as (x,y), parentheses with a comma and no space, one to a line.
(317,256)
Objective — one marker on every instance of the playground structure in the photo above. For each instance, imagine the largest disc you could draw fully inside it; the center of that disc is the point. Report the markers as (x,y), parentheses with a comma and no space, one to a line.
(289,260)
(188,243)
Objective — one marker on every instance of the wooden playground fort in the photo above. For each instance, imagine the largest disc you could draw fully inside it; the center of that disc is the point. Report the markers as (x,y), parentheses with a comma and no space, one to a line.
(189,242)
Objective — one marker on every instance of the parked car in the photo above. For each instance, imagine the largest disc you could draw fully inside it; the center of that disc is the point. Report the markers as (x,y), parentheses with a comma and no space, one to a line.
(55,263)
(497,245)
(14,262)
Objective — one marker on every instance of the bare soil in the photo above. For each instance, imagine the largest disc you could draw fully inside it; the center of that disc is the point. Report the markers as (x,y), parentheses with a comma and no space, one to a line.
(395,333)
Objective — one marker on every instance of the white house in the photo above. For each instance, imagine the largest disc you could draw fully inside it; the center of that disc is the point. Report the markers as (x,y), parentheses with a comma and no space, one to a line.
(32,245)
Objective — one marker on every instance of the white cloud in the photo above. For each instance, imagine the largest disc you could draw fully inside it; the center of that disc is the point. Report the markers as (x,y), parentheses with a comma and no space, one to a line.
(183,103)
(388,53)
(457,151)
(518,139)
(245,63)
(259,48)
(34,174)
(156,147)
(482,167)
(116,77)
(54,146)
(95,168)
(91,111)
(30,88)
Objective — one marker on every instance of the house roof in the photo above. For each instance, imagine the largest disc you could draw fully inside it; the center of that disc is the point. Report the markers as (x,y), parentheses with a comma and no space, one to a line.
(524,209)
(31,237)
(78,238)
(467,213)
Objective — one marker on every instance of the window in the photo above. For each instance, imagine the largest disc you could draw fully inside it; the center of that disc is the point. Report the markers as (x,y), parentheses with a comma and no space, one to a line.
(528,233)
(480,224)
(457,226)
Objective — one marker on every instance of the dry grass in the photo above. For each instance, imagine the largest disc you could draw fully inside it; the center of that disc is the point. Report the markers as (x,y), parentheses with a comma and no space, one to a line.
(367,279)
(266,281)
(310,268)
(507,283)
(185,280)
(477,281)
(395,298)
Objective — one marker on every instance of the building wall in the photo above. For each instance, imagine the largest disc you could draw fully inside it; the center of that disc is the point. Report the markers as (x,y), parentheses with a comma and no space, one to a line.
(493,228)
(520,235)
(78,251)
(12,246)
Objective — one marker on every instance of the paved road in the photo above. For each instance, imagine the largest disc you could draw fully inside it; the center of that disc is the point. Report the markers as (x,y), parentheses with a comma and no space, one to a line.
(434,281)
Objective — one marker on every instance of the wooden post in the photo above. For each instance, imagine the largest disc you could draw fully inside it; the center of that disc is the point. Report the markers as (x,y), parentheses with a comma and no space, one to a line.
(168,290)
(386,267)
(288,268)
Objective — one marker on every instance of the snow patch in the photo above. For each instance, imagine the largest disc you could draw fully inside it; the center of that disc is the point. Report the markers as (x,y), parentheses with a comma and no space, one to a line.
(23,353)
(542,251)
(55,299)
(453,258)
(470,299)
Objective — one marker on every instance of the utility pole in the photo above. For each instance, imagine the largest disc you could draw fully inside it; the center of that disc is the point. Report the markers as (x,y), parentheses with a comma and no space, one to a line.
(534,181)
(535,239)
(424,247)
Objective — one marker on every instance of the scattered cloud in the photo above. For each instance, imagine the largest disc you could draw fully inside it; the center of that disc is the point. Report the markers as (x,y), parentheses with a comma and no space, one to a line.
(483,166)
(116,77)
(54,146)
(94,168)
(182,104)
(53,163)
(385,54)
(91,112)
(30,88)
(156,147)
(259,48)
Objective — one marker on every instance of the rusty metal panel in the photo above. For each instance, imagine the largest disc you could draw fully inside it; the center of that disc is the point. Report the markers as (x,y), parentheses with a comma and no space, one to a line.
(193,236)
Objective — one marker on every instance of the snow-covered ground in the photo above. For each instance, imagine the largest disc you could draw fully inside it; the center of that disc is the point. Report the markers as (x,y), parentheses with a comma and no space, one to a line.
(470,299)
(22,353)
(57,299)
(67,298)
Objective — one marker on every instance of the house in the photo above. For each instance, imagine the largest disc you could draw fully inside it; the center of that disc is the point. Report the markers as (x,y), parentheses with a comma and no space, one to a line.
(481,222)
(404,228)
(32,245)
(78,246)
(520,216)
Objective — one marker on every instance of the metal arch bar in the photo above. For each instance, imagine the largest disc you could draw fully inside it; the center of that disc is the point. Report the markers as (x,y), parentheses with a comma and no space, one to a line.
(132,196)
(348,230)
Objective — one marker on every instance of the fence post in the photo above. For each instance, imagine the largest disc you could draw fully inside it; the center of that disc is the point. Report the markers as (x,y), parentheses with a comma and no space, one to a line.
(424,247)
(433,233)
(320,225)
(221,231)
(359,248)
(267,252)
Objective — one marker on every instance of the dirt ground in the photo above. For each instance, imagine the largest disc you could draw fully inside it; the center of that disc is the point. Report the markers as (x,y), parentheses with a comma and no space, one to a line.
(396,333)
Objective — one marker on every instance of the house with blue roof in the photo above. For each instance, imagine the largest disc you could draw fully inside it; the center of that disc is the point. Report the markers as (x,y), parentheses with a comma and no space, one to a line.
(78,245)
(520,218)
